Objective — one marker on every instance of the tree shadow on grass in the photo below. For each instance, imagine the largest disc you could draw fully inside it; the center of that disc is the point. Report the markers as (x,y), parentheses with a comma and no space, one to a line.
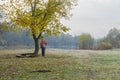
(41,71)
(26,55)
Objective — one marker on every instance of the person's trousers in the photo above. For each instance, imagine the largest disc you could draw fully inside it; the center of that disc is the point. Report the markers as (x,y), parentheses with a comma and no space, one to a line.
(43,51)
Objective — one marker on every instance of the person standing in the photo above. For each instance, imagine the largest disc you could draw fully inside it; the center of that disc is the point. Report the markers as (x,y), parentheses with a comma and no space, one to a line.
(43,46)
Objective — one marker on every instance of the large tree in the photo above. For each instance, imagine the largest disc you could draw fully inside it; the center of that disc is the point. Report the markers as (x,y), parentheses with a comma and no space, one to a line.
(37,16)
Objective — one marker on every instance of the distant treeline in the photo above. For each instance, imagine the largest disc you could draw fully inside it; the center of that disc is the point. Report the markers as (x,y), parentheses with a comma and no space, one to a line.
(111,40)
(65,41)
(11,39)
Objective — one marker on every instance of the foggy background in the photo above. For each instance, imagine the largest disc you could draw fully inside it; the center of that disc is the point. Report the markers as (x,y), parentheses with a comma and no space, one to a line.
(95,17)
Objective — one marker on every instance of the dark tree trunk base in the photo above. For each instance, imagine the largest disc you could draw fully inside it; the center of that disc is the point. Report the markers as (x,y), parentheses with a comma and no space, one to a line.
(26,55)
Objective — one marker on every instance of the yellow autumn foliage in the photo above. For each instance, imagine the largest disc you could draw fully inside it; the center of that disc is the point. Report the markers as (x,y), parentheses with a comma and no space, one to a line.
(38,16)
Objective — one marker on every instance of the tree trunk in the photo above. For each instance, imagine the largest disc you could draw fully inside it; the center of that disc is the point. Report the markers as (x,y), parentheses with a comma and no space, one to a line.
(36,50)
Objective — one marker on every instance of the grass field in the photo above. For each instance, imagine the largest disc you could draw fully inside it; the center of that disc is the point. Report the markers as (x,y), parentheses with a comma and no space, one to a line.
(63,64)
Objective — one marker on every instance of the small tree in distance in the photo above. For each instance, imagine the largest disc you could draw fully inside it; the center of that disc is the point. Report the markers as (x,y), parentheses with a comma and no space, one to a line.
(37,16)
(86,41)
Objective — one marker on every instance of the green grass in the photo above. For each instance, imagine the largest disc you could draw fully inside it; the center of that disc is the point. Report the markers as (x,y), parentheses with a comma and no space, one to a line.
(64,65)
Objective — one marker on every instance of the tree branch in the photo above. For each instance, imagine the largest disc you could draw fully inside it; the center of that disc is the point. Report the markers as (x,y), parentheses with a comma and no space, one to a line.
(39,35)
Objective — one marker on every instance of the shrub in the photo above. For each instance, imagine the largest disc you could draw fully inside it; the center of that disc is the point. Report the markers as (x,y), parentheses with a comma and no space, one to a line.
(105,46)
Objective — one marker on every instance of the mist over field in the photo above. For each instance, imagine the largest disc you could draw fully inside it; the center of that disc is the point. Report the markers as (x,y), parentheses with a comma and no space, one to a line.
(40,40)
(98,18)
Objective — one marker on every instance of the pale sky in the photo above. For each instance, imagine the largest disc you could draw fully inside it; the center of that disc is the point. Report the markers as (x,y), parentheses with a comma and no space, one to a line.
(95,17)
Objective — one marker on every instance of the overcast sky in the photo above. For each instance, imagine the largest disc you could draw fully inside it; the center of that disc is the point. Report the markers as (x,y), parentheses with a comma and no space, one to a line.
(96,17)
